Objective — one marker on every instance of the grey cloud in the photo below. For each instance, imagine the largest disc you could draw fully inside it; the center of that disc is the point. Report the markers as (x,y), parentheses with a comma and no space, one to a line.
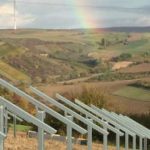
(61,13)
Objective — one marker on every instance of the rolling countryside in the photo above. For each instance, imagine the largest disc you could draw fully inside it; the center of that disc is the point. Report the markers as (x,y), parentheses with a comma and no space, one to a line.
(74,57)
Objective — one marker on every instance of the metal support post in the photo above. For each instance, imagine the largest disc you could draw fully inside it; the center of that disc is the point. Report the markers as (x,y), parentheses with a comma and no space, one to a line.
(65,113)
(134,143)
(145,143)
(89,144)
(141,143)
(126,141)
(117,142)
(1,127)
(41,117)
(6,122)
(14,122)
(105,140)
(69,134)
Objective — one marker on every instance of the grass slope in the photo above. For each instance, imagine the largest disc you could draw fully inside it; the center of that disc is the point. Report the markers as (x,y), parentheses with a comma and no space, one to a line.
(12,74)
(134,93)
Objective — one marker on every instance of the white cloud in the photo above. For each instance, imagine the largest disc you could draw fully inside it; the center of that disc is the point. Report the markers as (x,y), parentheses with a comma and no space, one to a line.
(7,20)
(6,9)
(145,21)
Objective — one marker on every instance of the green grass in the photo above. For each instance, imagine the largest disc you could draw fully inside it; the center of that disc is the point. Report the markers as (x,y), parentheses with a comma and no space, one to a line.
(21,128)
(9,49)
(134,47)
(134,93)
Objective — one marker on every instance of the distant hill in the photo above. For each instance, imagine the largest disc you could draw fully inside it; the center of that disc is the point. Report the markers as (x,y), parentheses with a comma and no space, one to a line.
(109,29)
(120,29)
(127,29)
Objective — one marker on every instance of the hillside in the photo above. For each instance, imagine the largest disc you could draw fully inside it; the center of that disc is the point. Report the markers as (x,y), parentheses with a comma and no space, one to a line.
(51,59)
(57,55)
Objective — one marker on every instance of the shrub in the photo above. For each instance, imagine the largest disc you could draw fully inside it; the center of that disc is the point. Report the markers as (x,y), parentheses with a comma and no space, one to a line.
(89,95)
(123,57)
(142,84)
(91,62)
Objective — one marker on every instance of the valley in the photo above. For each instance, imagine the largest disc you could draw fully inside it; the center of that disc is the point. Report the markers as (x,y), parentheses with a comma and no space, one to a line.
(60,60)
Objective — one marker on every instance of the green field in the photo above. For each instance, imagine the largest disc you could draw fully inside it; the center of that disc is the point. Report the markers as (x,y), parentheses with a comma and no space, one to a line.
(134,93)
(21,128)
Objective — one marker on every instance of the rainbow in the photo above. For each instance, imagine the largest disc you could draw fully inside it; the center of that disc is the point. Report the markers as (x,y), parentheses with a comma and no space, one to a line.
(84,15)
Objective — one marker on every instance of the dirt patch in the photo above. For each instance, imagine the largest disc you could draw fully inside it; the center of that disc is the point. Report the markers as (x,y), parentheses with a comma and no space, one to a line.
(122,64)
(134,37)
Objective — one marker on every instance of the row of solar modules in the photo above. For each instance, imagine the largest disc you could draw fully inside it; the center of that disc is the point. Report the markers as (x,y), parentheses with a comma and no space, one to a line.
(94,118)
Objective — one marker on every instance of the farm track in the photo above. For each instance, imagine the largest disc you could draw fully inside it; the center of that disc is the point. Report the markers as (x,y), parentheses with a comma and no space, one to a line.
(83,79)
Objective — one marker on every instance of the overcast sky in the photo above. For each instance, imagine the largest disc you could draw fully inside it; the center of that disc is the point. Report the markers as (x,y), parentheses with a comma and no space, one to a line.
(75,13)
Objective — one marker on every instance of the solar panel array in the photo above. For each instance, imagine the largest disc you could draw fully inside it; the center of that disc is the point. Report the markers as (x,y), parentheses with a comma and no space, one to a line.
(94,118)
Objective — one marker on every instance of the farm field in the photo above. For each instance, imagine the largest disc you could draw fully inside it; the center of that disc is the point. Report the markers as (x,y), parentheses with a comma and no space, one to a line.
(117,103)
(134,93)
(145,67)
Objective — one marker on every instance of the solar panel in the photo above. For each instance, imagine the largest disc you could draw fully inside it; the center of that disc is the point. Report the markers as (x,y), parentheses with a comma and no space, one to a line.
(135,127)
(125,124)
(6,118)
(116,123)
(131,122)
(103,123)
(42,106)
(110,120)
(142,128)
(93,117)
(2,135)
(138,132)
(68,110)
(13,115)
(88,122)
(26,116)
(99,113)
(129,125)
